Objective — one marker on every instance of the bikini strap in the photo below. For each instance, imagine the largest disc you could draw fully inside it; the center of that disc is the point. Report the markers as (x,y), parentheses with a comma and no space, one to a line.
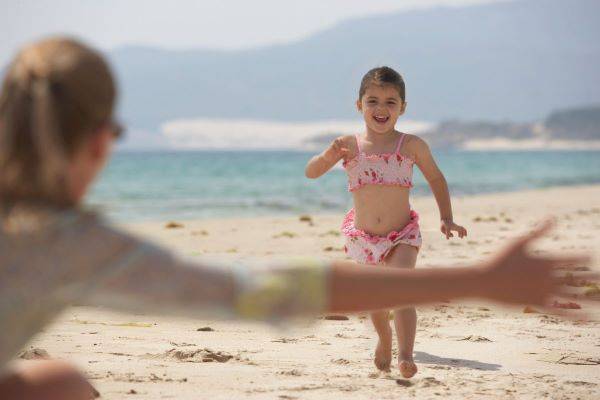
(400,143)
(357,143)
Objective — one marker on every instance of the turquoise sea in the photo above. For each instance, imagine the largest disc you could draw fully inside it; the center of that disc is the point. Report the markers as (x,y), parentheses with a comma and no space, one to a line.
(158,186)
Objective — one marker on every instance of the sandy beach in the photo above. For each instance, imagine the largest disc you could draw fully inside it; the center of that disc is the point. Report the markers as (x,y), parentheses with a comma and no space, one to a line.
(463,350)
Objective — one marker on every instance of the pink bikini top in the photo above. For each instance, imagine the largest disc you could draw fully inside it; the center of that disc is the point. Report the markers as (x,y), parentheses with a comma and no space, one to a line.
(379,169)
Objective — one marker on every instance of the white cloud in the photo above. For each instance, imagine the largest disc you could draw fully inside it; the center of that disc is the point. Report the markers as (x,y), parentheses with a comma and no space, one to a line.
(204,133)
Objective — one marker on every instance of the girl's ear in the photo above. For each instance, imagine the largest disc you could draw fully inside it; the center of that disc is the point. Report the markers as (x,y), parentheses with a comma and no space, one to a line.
(359,105)
(100,144)
(403,107)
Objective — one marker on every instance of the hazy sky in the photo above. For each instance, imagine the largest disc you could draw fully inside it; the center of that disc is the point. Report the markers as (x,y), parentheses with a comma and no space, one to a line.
(222,24)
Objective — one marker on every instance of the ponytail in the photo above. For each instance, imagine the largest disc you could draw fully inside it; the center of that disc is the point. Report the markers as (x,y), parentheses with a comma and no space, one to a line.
(55,93)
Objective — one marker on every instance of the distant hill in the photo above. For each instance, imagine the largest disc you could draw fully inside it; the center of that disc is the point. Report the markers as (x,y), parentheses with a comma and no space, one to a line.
(573,128)
(503,61)
(580,123)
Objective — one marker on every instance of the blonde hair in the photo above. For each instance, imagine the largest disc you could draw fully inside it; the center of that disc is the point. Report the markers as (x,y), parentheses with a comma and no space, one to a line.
(56,92)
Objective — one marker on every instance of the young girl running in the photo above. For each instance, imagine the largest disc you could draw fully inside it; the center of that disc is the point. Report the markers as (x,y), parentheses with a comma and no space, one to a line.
(56,133)
(382,229)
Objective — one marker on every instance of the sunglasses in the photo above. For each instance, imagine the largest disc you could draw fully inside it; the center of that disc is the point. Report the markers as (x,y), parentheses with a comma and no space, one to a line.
(116,128)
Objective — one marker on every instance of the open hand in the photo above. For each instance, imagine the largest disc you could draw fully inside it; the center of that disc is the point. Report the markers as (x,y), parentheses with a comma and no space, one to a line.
(336,151)
(448,226)
(516,276)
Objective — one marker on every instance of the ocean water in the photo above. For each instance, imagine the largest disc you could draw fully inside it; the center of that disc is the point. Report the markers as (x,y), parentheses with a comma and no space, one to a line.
(158,186)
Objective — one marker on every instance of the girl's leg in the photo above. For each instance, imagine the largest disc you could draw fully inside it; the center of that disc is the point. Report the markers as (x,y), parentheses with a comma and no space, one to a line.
(383,352)
(405,319)
(46,380)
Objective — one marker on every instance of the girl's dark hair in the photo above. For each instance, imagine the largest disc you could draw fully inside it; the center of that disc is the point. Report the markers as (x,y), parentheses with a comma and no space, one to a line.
(382,76)
(56,92)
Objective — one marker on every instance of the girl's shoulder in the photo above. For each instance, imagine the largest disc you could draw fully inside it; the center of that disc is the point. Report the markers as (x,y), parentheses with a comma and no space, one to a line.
(413,145)
(414,142)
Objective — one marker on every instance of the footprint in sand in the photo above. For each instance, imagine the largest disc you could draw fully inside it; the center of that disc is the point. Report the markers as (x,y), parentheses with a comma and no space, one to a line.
(430,381)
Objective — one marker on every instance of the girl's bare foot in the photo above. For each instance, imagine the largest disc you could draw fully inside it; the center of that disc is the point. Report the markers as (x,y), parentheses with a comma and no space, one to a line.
(383,352)
(407,367)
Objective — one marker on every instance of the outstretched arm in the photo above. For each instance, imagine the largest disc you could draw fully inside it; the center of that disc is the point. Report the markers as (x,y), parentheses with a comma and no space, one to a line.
(156,282)
(439,187)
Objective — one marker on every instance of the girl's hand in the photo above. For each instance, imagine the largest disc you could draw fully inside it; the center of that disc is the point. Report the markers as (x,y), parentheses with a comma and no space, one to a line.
(515,276)
(336,151)
(448,226)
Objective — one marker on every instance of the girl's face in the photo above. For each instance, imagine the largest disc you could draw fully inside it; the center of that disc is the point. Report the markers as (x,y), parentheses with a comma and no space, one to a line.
(381,106)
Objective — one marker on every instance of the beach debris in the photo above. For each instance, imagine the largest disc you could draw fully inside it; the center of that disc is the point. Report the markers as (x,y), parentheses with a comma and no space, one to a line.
(530,310)
(331,232)
(292,372)
(404,382)
(306,218)
(200,233)
(182,344)
(592,290)
(571,359)
(173,225)
(474,338)
(205,329)
(132,391)
(485,219)
(570,280)
(198,355)
(284,234)
(569,305)
(285,340)
(336,318)
(34,353)
(341,361)
(580,383)
(123,324)
(331,248)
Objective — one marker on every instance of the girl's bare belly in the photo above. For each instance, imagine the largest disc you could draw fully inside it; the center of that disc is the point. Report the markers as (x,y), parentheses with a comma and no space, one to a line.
(380,210)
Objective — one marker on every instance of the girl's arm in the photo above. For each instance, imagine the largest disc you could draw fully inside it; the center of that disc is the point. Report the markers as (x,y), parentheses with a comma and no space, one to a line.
(439,186)
(323,162)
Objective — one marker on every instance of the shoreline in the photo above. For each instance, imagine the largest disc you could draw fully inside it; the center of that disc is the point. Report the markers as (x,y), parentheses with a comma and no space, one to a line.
(416,199)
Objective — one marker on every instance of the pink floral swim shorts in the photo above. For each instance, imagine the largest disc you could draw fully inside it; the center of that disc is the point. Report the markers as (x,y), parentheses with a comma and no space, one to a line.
(365,248)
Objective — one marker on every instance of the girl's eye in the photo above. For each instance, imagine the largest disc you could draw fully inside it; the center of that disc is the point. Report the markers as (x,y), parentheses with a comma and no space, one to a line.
(391,103)
(371,102)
